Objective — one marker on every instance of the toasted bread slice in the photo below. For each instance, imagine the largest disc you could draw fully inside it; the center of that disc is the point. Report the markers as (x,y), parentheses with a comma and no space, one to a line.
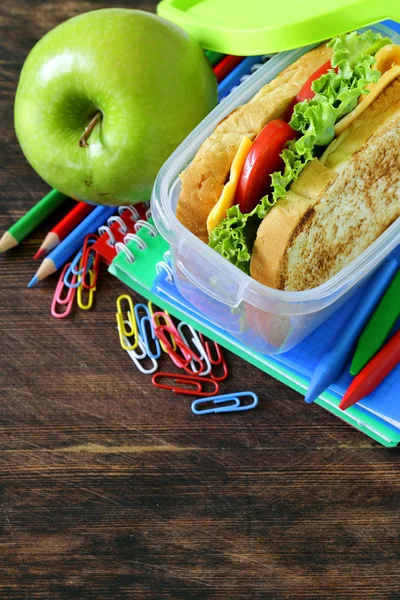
(205,177)
(305,240)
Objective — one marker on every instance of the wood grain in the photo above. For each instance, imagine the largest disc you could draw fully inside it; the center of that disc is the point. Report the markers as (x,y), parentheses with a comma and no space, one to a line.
(111,489)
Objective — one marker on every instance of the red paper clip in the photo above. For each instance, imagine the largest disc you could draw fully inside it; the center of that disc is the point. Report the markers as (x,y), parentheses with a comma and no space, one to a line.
(69,298)
(155,317)
(182,362)
(193,380)
(90,239)
(215,362)
(224,371)
(206,345)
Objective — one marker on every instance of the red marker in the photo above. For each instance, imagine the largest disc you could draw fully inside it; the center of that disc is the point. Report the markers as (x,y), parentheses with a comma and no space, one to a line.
(64,227)
(226,65)
(374,372)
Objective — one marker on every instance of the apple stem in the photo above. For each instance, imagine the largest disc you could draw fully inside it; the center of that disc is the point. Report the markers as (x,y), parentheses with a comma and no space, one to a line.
(86,134)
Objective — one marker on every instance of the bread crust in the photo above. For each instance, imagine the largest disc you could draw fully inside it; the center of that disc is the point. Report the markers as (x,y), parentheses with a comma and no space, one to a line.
(205,177)
(284,221)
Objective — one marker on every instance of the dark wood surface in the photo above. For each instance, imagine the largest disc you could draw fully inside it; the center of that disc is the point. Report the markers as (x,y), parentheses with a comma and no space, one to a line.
(112,489)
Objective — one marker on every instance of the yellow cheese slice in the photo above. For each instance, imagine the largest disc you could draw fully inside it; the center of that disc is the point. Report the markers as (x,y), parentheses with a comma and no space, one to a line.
(385,80)
(387,57)
(227,197)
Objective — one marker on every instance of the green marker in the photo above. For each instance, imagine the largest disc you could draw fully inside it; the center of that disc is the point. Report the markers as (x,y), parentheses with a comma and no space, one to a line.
(38,213)
(379,326)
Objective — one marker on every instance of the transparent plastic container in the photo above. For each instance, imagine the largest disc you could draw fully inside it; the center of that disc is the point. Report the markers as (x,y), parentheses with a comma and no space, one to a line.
(266,320)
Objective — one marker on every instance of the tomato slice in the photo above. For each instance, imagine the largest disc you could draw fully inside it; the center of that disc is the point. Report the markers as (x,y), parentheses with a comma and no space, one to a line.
(306,92)
(262,160)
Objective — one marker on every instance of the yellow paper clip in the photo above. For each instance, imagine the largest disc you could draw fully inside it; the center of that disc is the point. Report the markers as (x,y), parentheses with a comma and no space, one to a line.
(122,331)
(168,321)
(90,293)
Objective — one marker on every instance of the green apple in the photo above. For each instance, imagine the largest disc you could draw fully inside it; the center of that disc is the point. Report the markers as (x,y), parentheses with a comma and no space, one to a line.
(104,98)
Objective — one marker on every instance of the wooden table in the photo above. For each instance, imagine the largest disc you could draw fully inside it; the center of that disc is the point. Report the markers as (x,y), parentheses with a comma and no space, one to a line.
(111,489)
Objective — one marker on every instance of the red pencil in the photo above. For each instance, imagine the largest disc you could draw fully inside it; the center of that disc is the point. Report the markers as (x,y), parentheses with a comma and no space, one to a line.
(373,373)
(63,228)
(226,65)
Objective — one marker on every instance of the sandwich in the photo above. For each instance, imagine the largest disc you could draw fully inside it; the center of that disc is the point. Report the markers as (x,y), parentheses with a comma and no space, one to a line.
(295,184)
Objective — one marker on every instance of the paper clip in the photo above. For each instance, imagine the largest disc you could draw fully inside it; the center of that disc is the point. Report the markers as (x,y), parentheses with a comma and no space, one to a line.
(124,334)
(216,362)
(69,298)
(188,380)
(155,317)
(76,269)
(152,312)
(224,374)
(232,403)
(212,360)
(90,262)
(199,347)
(146,339)
(187,354)
(141,324)
(138,357)
(73,272)
(90,295)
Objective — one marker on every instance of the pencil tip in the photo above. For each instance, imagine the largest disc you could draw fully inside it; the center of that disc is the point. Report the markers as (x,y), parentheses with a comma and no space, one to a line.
(40,253)
(7,242)
(33,281)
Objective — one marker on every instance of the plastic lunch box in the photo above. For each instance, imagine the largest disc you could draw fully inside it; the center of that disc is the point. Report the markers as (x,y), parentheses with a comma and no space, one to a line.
(266,320)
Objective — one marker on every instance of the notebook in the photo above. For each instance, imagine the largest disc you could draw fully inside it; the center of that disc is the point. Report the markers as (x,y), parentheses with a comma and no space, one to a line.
(116,228)
(149,275)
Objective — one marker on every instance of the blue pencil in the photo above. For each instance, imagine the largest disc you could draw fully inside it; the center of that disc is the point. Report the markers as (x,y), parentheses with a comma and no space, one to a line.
(71,244)
(332,364)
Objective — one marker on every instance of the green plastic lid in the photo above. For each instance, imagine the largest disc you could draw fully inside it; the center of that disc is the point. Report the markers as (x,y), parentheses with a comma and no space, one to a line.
(246,27)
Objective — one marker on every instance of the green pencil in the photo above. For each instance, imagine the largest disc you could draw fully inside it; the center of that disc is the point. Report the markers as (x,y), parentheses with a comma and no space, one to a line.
(31,220)
(214,57)
(381,323)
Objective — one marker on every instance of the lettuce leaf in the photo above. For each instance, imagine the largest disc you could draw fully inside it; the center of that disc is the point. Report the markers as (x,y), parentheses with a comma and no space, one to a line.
(234,237)
(336,94)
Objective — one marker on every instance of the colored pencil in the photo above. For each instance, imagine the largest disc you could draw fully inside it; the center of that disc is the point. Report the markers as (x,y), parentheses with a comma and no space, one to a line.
(235,76)
(214,57)
(381,323)
(332,364)
(64,227)
(374,373)
(71,244)
(226,65)
(26,224)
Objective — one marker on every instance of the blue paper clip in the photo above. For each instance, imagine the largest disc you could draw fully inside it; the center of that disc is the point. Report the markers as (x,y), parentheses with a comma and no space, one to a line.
(234,405)
(72,271)
(141,323)
(136,309)
(145,338)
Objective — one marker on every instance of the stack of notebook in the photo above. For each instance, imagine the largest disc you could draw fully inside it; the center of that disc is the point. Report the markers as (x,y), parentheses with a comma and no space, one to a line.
(378,415)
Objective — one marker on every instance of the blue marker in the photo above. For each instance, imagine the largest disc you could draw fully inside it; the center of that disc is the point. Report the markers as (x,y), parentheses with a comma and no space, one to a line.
(71,244)
(332,364)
